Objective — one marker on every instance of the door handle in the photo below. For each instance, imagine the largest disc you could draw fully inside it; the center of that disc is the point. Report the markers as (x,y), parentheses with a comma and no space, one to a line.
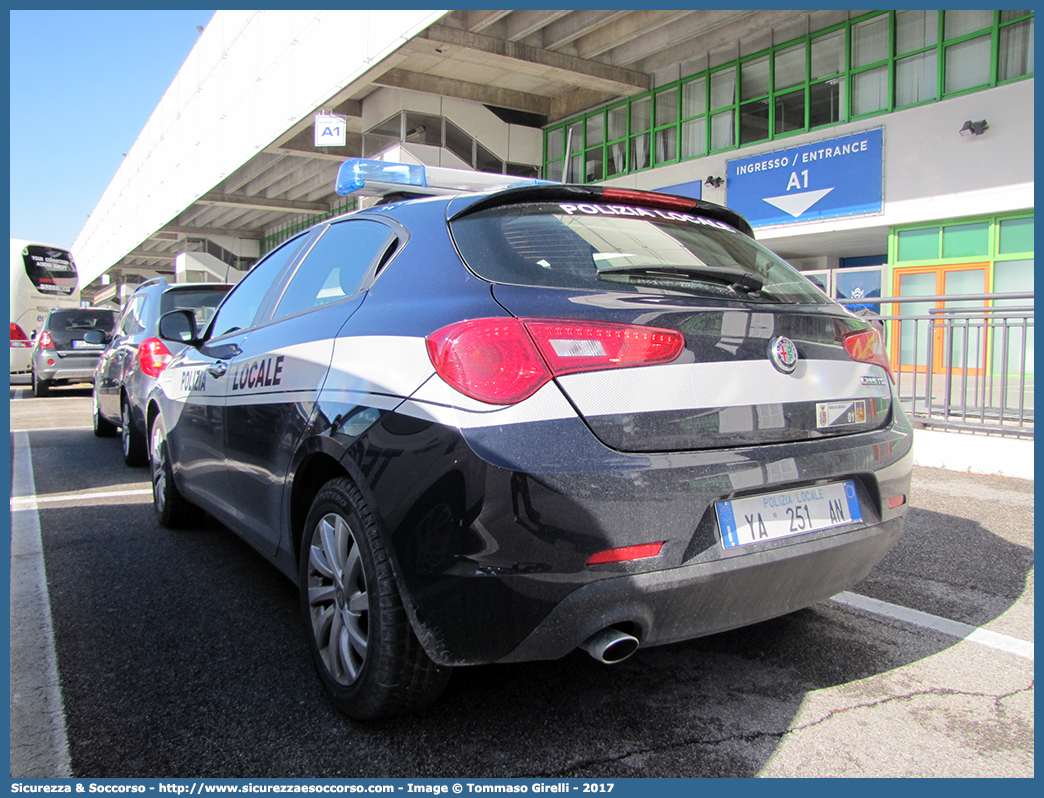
(218,369)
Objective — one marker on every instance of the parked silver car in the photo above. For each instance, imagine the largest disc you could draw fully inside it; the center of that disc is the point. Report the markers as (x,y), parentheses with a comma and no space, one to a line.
(62,353)
(134,357)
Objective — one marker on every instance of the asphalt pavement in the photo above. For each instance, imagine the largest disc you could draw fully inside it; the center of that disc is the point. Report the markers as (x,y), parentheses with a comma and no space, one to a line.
(180,654)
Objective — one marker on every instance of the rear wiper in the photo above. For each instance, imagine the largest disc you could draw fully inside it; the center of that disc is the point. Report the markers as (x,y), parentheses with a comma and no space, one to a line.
(739,279)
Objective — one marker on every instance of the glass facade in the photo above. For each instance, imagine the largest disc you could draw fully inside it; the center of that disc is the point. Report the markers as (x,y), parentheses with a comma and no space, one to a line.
(877,63)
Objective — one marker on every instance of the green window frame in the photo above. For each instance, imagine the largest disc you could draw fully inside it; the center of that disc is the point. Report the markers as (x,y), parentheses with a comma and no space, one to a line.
(873,64)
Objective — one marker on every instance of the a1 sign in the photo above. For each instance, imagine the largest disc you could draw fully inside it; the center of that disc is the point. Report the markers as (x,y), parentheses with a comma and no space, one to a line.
(821,180)
(330,130)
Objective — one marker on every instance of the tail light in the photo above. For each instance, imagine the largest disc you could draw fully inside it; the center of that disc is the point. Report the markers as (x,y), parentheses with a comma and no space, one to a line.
(503,361)
(649,198)
(866,346)
(153,356)
(18,337)
(45,340)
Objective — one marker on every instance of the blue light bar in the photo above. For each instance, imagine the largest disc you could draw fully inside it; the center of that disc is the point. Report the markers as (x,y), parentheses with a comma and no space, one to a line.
(359,173)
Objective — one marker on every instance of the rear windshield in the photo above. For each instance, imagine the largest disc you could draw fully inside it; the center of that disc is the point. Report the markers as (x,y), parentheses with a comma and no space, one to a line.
(202,302)
(625,248)
(84,319)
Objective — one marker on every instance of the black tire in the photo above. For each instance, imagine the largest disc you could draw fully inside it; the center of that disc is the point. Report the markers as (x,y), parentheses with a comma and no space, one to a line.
(40,387)
(349,593)
(172,509)
(135,452)
(102,428)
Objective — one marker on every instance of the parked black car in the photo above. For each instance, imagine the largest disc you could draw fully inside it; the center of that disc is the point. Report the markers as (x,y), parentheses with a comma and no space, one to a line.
(497,427)
(134,357)
(63,354)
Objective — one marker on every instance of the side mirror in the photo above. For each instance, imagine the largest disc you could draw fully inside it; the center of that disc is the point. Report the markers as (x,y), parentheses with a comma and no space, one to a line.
(97,337)
(179,326)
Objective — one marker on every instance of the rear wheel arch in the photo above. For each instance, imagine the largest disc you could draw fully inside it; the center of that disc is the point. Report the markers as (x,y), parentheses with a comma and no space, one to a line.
(150,416)
(135,444)
(321,461)
(314,471)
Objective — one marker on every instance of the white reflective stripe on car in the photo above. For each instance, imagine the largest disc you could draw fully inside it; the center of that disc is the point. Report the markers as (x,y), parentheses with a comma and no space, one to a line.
(379,364)
(444,404)
(694,386)
(379,367)
(279,375)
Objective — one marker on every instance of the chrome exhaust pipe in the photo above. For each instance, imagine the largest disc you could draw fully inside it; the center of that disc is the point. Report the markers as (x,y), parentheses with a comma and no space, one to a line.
(610,645)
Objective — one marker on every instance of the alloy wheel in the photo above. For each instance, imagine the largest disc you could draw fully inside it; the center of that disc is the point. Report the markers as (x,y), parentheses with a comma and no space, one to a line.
(337,599)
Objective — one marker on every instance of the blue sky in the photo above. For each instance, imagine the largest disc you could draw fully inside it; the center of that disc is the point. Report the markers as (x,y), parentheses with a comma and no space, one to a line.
(83,84)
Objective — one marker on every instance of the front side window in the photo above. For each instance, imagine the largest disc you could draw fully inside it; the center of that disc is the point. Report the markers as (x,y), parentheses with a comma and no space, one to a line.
(622,248)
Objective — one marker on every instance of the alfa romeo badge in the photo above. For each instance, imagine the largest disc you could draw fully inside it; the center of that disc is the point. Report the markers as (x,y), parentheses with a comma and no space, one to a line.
(783,354)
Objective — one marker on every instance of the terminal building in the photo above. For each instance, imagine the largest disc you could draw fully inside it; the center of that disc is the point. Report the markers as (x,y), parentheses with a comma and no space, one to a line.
(883,153)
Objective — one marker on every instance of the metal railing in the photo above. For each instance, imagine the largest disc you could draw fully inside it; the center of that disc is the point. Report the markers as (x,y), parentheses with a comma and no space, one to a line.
(967,365)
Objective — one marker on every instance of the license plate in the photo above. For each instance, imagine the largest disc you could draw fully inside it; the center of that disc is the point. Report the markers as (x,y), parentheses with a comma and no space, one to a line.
(771,516)
(839,414)
(85,345)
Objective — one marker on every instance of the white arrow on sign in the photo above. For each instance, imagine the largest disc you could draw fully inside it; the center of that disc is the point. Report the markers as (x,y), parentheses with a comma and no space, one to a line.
(797,204)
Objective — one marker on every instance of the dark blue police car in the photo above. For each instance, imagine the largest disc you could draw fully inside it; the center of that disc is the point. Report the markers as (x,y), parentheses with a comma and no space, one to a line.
(500,426)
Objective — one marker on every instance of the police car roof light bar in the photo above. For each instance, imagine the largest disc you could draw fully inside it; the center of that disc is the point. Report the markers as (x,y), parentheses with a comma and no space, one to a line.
(362,175)
(374,178)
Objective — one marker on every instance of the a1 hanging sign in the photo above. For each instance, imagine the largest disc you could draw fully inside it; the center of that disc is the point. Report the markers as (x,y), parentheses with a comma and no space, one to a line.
(330,130)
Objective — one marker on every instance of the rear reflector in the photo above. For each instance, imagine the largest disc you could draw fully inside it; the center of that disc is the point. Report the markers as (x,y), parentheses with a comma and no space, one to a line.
(505,360)
(896,501)
(625,553)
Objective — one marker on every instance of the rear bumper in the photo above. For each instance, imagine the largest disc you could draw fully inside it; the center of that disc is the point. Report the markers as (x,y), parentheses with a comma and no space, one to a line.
(67,368)
(693,601)
(491,531)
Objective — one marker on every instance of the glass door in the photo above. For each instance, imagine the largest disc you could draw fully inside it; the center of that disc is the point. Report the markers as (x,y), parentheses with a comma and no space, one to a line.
(957,342)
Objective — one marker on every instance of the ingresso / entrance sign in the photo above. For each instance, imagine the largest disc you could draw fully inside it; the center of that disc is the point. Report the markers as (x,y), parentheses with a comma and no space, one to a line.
(820,180)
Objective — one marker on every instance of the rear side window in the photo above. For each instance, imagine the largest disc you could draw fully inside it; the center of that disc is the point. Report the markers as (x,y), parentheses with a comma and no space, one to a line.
(335,266)
(625,248)
(133,319)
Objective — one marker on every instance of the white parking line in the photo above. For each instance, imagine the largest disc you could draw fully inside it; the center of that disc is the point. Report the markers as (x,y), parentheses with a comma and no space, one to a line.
(55,429)
(964,631)
(33,502)
(39,744)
